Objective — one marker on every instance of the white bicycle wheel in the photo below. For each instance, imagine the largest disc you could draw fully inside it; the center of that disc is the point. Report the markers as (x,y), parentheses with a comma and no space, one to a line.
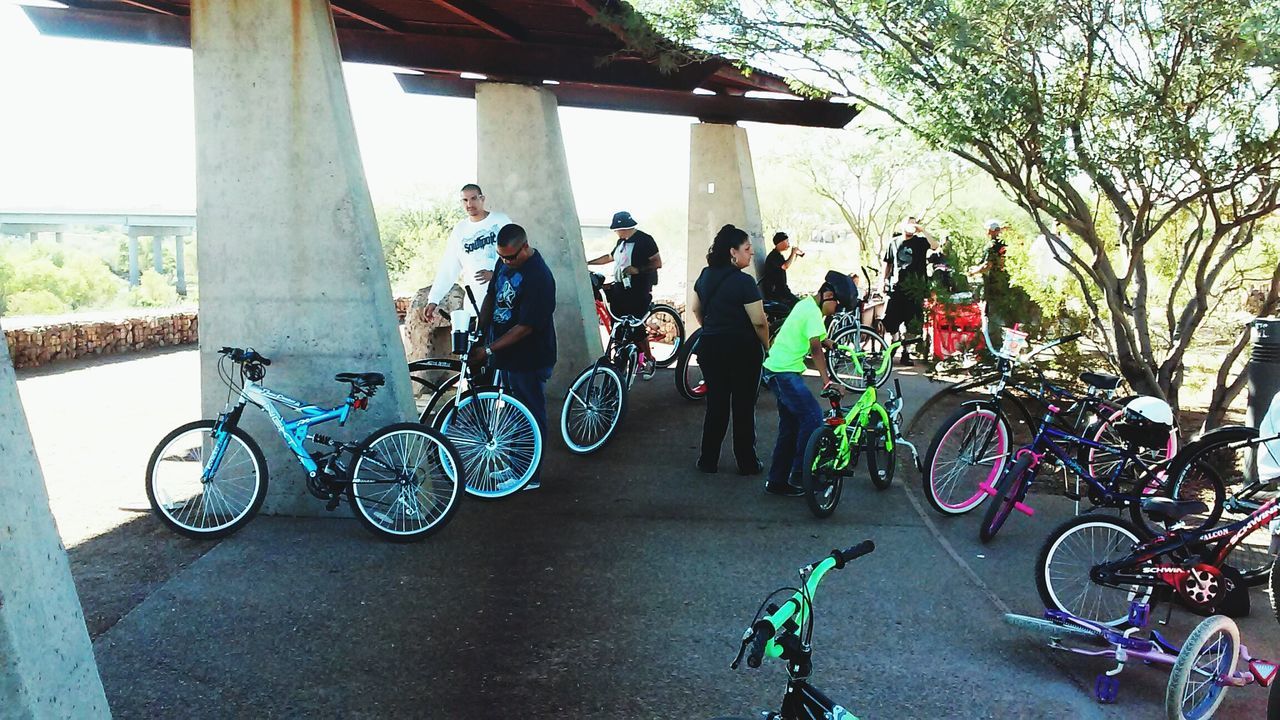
(497,439)
(841,366)
(403,485)
(593,408)
(1210,654)
(204,484)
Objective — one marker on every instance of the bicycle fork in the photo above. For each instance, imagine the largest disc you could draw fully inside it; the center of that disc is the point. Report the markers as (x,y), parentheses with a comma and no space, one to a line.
(1019,493)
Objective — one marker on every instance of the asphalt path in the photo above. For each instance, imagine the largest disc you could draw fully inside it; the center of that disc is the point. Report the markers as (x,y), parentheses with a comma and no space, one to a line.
(618,590)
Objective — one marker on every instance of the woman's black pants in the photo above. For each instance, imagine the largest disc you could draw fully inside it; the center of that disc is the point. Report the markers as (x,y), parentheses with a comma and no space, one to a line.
(731,368)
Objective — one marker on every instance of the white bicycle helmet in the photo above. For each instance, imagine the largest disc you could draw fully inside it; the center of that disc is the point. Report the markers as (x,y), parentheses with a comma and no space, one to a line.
(1147,421)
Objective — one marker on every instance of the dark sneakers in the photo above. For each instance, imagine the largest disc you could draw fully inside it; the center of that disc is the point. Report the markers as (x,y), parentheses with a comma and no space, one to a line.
(755,467)
(784,489)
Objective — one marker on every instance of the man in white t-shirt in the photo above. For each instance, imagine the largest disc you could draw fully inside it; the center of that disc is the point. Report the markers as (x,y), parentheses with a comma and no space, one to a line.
(472,251)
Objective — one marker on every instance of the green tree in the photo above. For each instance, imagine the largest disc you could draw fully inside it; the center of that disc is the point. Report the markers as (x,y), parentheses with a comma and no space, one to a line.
(413,239)
(1141,126)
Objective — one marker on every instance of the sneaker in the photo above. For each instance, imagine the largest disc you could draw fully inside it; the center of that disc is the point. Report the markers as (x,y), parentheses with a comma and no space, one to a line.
(502,476)
(647,369)
(784,490)
(755,467)
(531,485)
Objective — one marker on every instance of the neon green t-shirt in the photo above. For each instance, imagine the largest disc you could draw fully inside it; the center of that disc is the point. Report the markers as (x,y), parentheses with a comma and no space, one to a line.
(792,343)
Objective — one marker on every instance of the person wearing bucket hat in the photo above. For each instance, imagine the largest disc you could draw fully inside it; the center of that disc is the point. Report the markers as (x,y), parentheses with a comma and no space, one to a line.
(773,282)
(636,262)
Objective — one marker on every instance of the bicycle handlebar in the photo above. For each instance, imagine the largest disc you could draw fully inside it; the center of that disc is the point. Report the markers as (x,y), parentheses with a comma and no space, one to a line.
(248,355)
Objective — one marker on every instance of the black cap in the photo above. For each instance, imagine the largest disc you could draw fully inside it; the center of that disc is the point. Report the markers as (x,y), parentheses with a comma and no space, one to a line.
(842,285)
(622,220)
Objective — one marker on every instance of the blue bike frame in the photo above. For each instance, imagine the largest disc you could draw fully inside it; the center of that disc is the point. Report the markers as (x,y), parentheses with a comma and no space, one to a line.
(294,432)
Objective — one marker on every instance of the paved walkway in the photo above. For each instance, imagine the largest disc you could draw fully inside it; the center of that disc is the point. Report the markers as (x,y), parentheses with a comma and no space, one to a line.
(617,591)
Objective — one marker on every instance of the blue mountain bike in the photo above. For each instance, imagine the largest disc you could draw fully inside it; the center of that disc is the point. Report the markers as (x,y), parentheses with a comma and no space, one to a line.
(208,478)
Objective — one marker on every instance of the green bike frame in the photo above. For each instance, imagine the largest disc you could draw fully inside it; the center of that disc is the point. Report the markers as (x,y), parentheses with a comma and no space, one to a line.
(858,419)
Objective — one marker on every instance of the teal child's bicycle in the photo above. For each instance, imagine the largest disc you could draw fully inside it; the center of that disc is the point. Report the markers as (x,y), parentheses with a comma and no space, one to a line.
(868,428)
(787,633)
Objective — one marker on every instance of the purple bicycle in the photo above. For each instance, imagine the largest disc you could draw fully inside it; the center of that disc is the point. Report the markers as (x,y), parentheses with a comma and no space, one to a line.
(1211,660)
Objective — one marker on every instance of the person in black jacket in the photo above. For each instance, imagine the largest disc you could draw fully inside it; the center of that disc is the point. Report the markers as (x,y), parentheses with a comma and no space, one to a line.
(773,282)
(735,335)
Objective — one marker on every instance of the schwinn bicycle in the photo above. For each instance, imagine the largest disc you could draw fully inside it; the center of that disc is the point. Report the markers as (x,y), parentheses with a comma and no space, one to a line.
(596,400)
(1200,670)
(662,324)
(496,435)
(1248,463)
(207,478)
(1093,566)
(868,428)
(787,633)
(971,448)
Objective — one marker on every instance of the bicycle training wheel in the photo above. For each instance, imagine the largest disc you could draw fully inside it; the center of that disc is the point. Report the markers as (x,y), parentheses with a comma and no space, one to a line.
(1068,556)
(689,380)
(497,439)
(880,461)
(969,449)
(841,365)
(404,484)
(593,408)
(1009,490)
(665,331)
(1209,655)
(821,480)
(204,484)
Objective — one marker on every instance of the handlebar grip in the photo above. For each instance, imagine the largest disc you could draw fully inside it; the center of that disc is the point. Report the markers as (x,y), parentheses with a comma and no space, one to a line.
(758,640)
(845,556)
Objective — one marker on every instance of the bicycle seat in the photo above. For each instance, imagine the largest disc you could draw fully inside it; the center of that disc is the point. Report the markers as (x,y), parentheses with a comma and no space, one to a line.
(361,379)
(1101,381)
(831,393)
(1168,510)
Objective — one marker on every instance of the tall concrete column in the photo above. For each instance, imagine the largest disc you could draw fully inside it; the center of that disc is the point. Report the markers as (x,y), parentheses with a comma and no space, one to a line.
(157,253)
(524,173)
(290,260)
(47,668)
(722,190)
(179,267)
(134,272)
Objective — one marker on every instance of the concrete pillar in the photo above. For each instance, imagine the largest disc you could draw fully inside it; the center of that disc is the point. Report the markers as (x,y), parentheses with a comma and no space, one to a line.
(722,190)
(290,260)
(33,237)
(524,173)
(47,668)
(157,253)
(179,267)
(134,272)
(57,237)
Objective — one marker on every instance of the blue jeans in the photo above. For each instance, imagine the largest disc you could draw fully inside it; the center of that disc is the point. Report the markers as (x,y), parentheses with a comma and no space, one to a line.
(529,386)
(798,416)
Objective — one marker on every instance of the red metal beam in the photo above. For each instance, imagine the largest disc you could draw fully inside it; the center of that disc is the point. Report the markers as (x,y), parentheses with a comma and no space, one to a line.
(365,13)
(707,108)
(477,14)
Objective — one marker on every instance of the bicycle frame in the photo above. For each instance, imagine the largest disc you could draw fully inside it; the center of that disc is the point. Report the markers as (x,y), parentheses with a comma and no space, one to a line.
(859,418)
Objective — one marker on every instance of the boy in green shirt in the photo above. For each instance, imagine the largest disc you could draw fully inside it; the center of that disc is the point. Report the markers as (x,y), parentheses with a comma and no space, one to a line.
(799,415)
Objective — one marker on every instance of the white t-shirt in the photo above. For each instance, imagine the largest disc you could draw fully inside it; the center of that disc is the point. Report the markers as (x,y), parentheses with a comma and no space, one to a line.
(471,247)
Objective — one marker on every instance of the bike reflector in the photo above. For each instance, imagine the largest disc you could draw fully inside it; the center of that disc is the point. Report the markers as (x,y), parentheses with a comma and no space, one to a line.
(1264,672)
(833,421)
(361,404)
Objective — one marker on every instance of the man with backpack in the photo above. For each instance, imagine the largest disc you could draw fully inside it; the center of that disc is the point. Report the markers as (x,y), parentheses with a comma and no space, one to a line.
(906,265)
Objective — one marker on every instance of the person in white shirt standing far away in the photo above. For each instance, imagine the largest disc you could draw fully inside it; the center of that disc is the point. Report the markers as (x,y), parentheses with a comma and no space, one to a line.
(472,251)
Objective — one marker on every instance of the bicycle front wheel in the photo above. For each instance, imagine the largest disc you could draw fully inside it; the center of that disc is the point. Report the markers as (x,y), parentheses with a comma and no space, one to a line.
(970,448)
(404,484)
(593,408)
(880,461)
(689,380)
(665,331)
(1009,490)
(1069,555)
(497,439)
(204,483)
(841,366)
(1208,656)
(821,479)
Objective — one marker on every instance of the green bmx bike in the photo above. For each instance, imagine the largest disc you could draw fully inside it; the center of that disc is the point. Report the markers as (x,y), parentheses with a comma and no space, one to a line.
(868,428)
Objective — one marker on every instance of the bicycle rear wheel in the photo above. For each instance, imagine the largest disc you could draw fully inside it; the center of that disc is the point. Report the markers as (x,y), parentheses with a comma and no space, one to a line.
(665,331)
(1102,462)
(206,484)
(1009,490)
(404,484)
(841,366)
(970,448)
(1209,655)
(593,407)
(689,380)
(821,480)
(497,439)
(1068,556)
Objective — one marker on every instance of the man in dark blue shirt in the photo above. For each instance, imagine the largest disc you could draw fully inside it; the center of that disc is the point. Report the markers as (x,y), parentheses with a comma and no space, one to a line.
(518,311)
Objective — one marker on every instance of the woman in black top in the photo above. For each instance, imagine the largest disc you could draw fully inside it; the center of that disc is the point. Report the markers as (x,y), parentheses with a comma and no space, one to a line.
(735,335)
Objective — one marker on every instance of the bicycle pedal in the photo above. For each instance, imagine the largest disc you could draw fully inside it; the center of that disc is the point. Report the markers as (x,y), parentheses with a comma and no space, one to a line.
(1139,614)
(1068,494)
(333,503)
(1106,688)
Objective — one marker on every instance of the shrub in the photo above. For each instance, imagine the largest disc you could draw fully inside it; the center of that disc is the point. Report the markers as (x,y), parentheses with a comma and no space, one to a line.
(35,302)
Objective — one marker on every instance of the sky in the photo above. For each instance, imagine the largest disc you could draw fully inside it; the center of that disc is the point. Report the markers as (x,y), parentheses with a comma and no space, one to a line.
(109,127)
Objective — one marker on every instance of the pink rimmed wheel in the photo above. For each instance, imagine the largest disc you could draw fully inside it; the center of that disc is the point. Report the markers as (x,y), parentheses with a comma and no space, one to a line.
(969,450)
